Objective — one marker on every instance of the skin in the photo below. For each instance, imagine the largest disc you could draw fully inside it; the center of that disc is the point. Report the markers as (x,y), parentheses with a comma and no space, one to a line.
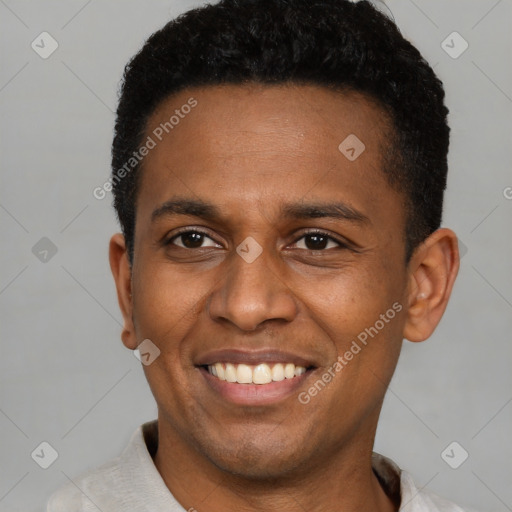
(249,150)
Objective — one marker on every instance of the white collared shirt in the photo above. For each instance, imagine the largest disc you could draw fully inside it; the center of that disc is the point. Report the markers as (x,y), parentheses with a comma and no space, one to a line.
(131,482)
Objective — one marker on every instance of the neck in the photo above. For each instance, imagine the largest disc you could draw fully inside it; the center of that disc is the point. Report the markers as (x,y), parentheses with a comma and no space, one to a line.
(344,480)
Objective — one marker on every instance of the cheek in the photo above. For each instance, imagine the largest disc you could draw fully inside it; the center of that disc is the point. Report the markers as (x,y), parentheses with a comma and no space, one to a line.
(167,300)
(166,307)
(353,299)
(363,315)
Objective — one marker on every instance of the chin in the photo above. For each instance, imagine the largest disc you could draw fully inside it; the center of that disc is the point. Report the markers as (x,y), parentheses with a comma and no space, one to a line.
(258,457)
(258,466)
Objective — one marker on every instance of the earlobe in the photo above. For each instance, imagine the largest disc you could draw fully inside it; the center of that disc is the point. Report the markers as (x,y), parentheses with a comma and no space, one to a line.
(432,272)
(122,273)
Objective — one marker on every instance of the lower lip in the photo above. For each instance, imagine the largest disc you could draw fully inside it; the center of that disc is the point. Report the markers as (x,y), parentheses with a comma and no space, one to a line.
(255,394)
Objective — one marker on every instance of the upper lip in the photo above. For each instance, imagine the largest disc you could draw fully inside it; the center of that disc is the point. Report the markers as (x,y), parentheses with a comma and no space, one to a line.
(251,357)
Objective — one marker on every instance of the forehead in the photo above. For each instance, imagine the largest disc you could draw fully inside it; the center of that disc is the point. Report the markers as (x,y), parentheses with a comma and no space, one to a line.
(265,144)
(298,114)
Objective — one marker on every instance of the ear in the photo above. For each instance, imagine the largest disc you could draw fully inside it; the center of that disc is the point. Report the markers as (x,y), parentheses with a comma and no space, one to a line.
(121,270)
(432,272)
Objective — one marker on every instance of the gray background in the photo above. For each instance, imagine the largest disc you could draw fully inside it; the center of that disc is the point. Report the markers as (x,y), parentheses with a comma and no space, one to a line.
(65,376)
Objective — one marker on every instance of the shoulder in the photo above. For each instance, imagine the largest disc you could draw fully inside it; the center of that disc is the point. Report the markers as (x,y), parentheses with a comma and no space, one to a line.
(400,486)
(82,493)
(415,500)
(111,485)
(128,482)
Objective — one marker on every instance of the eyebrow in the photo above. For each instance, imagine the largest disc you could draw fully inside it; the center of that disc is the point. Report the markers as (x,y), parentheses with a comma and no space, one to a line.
(194,208)
(298,211)
(336,210)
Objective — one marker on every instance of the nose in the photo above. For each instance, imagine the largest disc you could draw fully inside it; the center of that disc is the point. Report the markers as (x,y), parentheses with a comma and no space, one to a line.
(250,294)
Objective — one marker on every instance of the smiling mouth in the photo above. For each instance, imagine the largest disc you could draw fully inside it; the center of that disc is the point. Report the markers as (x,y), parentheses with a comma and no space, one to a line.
(262,373)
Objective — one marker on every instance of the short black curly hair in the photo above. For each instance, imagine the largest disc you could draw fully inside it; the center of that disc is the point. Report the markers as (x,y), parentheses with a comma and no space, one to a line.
(333,43)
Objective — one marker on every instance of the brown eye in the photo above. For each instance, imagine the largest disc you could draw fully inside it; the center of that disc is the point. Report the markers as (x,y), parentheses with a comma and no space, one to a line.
(317,242)
(192,240)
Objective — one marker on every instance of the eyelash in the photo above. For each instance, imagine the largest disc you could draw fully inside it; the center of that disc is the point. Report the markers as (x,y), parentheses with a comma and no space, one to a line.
(341,244)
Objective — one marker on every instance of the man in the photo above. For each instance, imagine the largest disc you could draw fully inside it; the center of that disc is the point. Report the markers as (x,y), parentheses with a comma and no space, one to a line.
(278,173)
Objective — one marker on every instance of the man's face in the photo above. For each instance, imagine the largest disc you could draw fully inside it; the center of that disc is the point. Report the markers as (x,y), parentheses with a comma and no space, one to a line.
(267,161)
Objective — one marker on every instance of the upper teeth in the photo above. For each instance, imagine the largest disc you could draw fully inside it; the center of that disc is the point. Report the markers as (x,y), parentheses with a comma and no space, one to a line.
(259,374)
